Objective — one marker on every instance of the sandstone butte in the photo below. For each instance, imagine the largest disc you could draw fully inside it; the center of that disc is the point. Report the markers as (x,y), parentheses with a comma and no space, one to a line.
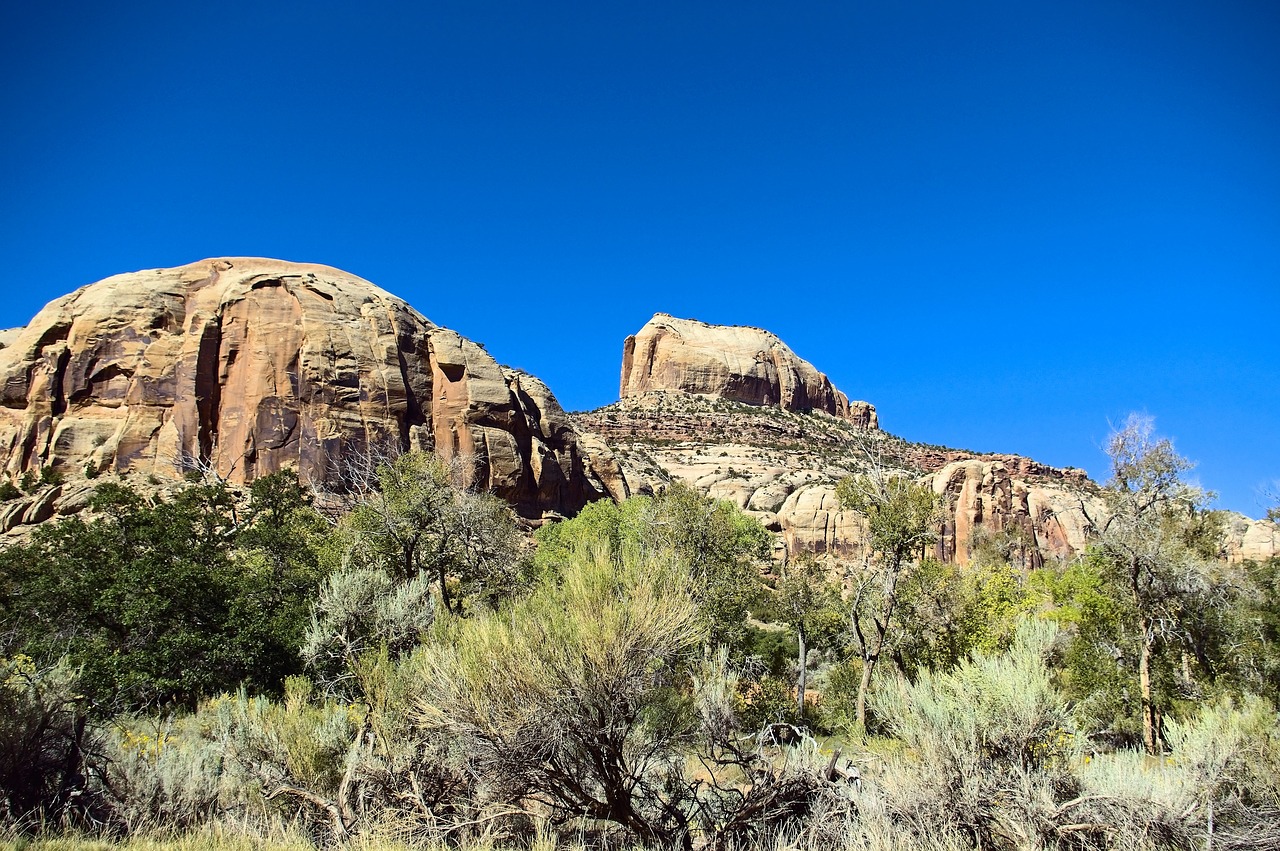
(246,365)
(735,413)
(736,363)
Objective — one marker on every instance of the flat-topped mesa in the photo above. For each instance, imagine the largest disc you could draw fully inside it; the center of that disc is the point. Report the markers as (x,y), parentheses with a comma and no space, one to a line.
(247,365)
(736,363)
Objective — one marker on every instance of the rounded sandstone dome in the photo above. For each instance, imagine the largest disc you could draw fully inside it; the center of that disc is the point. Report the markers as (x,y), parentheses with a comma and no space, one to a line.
(246,365)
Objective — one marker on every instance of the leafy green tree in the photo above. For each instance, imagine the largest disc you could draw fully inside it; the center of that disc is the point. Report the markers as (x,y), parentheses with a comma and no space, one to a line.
(276,570)
(902,516)
(139,596)
(615,527)
(1253,627)
(1097,669)
(155,601)
(1228,636)
(810,601)
(412,514)
(722,547)
(948,612)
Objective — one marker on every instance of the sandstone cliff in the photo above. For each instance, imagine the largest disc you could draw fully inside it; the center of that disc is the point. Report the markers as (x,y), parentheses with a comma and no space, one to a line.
(740,364)
(783,467)
(246,365)
(1026,516)
(1250,540)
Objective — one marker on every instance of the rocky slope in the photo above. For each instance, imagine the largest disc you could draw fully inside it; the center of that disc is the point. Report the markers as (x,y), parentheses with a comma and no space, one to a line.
(735,413)
(736,363)
(783,467)
(246,365)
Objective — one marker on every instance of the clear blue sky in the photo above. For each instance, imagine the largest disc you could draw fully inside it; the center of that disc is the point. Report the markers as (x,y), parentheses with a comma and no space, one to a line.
(1004,223)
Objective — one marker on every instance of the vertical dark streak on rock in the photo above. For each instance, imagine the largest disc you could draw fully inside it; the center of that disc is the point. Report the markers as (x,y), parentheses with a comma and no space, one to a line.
(628,359)
(28,448)
(208,387)
(413,413)
(57,396)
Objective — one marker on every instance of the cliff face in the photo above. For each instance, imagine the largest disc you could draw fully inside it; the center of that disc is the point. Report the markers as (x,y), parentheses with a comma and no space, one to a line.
(783,467)
(1036,516)
(1250,540)
(739,364)
(246,365)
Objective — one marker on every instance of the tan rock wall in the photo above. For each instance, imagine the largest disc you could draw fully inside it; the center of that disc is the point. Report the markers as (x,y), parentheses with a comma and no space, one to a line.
(246,365)
(1038,519)
(1250,540)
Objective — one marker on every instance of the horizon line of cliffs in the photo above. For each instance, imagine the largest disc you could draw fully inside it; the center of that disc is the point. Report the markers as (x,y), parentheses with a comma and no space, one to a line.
(243,366)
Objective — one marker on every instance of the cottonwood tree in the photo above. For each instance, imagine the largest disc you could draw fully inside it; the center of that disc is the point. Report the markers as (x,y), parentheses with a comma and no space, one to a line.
(1152,541)
(902,516)
(955,610)
(719,544)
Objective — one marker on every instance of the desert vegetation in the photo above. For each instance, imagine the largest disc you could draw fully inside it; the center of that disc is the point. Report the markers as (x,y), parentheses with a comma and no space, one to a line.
(395,663)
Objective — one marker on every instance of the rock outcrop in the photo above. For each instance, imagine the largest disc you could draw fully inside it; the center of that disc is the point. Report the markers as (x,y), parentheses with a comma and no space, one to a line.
(736,363)
(1250,540)
(783,468)
(989,503)
(246,365)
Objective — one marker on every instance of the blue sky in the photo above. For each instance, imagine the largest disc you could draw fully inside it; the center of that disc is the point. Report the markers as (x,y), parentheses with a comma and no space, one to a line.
(1005,224)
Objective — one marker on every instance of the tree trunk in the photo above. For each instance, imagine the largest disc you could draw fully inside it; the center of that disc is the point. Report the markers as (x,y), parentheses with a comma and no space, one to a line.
(1144,687)
(802,679)
(868,662)
(869,659)
(444,589)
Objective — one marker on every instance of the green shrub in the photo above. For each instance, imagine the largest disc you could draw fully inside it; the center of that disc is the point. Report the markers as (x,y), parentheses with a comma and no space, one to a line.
(360,610)
(43,738)
(579,693)
(988,748)
(171,774)
(1217,788)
